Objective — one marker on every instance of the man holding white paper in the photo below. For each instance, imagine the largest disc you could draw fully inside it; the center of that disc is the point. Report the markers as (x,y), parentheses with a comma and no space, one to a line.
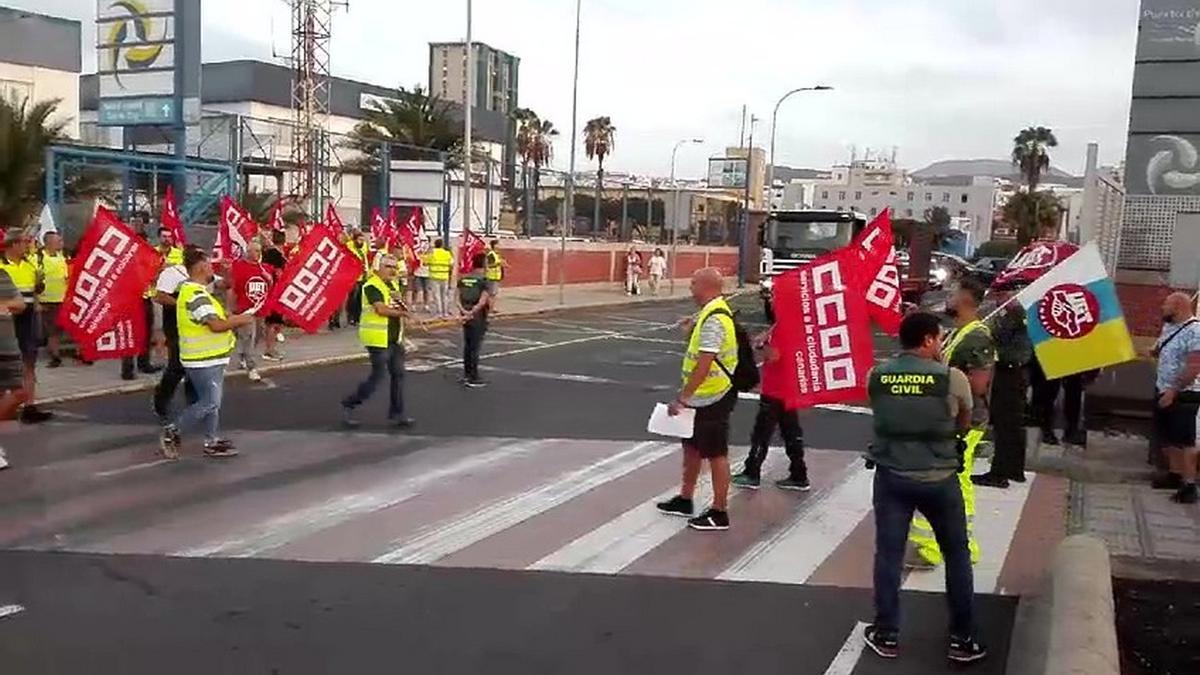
(708,365)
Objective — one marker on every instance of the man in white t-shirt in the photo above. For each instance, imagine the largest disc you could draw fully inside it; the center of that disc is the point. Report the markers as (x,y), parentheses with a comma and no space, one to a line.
(658,270)
(167,290)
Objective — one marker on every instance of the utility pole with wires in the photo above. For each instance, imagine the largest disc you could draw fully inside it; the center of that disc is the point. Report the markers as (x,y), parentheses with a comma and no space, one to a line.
(312,25)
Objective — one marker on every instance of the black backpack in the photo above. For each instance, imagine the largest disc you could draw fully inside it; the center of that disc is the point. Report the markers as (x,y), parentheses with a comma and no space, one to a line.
(745,376)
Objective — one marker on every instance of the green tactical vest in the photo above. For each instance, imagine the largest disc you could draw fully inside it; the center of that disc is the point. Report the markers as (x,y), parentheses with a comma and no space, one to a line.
(914,430)
(471,288)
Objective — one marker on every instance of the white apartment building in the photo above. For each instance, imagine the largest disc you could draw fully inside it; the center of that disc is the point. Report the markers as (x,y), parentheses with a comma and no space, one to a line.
(873,184)
(40,60)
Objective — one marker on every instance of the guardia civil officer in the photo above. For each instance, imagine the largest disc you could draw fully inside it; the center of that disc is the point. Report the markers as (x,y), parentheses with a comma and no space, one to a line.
(921,408)
(476,294)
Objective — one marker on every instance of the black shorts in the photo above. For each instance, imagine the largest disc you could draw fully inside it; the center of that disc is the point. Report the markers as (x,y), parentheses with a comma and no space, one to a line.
(710,436)
(29,339)
(1175,427)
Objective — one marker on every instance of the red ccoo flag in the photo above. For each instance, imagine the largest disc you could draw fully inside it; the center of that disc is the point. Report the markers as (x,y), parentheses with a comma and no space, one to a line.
(879,276)
(333,220)
(471,246)
(103,310)
(170,217)
(275,220)
(235,230)
(316,281)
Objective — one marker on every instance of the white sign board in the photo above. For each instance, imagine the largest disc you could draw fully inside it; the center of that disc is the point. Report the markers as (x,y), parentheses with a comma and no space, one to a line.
(136,59)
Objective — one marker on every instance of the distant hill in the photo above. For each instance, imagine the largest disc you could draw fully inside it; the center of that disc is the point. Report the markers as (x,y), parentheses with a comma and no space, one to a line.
(787,174)
(996,168)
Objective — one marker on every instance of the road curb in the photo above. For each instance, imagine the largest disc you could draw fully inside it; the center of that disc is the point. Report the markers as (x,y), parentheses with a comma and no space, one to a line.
(1083,635)
(141,386)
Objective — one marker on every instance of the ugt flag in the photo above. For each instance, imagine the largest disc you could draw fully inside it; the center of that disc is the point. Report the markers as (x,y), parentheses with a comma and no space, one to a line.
(823,331)
(235,230)
(102,310)
(1033,261)
(170,217)
(1074,318)
(879,275)
(471,246)
(316,281)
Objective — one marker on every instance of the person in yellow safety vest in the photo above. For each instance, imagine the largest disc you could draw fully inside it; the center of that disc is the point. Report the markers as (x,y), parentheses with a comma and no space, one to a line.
(54,268)
(22,270)
(708,366)
(382,334)
(168,248)
(206,341)
(969,348)
(357,243)
(496,267)
(440,263)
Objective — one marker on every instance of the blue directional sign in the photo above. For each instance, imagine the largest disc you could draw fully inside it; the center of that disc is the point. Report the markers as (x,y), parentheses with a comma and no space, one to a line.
(135,111)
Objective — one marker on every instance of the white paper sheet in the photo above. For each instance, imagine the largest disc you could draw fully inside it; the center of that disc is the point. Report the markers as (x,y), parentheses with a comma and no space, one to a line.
(680,426)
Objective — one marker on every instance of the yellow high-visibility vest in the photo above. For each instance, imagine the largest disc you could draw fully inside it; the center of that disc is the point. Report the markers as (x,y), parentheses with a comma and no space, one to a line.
(716,381)
(495,266)
(196,341)
(440,262)
(174,256)
(23,274)
(372,326)
(55,269)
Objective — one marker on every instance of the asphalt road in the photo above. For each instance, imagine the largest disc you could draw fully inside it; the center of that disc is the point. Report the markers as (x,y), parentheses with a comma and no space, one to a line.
(117,562)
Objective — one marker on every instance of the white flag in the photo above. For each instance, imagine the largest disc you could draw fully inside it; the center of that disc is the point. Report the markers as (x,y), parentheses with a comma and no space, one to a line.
(46,224)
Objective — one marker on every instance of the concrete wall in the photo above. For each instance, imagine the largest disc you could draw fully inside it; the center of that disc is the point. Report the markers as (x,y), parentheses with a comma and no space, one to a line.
(537,263)
(39,84)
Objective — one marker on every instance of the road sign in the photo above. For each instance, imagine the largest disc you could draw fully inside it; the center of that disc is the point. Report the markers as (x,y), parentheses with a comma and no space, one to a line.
(134,111)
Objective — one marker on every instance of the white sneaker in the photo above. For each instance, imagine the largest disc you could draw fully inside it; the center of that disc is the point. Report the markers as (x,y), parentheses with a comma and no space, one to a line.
(280,338)
(3,459)
(253,376)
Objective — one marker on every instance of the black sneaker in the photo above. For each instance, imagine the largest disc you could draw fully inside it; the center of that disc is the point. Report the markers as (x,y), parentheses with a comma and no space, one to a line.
(966,650)
(991,480)
(55,362)
(884,643)
(794,483)
(676,506)
(219,449)
(745,480)
(128,376)
(169,442)
(348,420)
(403,422)
(1018,478)
(475,384)
(1048,437)
(1075,437)
(1186,494)
(32,414)
(711,520)
(1167,481)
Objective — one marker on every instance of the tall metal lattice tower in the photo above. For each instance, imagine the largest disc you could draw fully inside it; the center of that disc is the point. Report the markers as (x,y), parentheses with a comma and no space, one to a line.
(312,22)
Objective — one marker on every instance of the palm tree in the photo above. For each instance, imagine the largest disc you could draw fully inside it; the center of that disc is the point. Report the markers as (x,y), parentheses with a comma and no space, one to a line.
(1030,155)
(1032,213)
(598,142)
(535,144)
(25,132)
(413,120)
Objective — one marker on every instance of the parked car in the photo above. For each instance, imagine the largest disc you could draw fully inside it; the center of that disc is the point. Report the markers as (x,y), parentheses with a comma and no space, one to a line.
(988,268)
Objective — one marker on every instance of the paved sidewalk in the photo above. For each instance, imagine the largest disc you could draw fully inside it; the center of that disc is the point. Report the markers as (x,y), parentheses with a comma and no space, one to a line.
(73,382)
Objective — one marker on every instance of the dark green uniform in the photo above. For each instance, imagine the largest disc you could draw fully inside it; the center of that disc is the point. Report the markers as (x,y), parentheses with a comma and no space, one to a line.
(1014,353)
(471,288)
(914,426)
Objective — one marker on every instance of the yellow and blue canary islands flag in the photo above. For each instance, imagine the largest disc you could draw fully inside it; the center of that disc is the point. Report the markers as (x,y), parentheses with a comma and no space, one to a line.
(1074,319)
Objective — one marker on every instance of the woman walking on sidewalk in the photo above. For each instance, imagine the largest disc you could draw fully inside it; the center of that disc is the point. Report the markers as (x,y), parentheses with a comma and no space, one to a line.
(633,272)
(658,270)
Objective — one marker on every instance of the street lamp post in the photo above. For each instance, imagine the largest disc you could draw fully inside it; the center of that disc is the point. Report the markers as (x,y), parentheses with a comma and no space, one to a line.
(675,206)
(468,103)
(744,225)
(775,125)
(569,202)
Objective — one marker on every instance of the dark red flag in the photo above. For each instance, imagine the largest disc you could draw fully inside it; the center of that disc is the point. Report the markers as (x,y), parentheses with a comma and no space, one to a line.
(316,280)
(471,246)
(823,331)
(235,230)
(170,217)
(333,220)
(102,310)
(275,220)
(1032,262)
(879,276)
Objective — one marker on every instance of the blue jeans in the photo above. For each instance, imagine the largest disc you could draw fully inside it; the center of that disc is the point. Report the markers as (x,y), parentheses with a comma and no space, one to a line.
(384,361)
(941,503)
(209,384)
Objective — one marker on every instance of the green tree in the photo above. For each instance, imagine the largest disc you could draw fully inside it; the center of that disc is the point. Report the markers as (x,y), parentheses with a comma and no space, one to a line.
(412,120)
(1032,213)
(937,219)
(535,145)
(599,141)
(25,132)
(1030,154)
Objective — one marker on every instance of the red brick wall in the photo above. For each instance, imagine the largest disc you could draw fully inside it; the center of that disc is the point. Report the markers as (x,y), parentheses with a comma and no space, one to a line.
(524,267)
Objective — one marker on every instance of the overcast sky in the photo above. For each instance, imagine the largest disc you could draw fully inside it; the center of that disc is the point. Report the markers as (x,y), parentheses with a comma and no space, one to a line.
(941,79)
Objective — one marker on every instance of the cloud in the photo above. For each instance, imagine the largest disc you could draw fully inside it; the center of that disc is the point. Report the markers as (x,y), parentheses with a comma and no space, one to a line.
(938,78)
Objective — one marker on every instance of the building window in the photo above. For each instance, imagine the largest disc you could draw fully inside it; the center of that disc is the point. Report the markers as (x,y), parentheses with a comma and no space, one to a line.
(14,90)
(841,196)
(824,193)
(946,197)
(874,211)
(911,196)
(908,212)
(962,214)
(858,195)
(928,196)
(965,198)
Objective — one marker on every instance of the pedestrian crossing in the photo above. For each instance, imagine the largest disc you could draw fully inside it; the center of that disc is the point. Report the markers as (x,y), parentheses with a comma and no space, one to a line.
(583,506)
